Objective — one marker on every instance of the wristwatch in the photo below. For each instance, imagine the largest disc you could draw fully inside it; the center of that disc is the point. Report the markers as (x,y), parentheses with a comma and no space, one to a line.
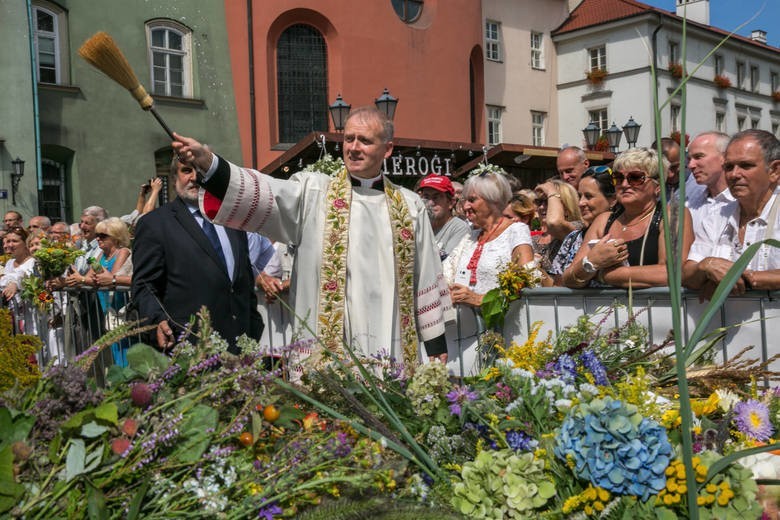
(588,266)
(113,280)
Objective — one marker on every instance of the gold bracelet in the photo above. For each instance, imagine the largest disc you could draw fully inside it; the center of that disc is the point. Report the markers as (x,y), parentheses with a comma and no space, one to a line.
(554,195)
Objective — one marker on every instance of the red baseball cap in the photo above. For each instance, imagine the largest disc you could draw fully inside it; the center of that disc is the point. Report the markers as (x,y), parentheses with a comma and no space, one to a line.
(439,183)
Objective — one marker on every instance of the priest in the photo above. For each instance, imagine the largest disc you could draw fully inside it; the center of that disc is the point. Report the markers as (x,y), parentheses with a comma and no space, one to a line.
(366,273)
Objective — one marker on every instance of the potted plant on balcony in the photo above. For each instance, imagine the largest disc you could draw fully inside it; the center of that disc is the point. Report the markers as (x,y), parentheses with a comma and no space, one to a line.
(596,76)
(721,81)
(676,137)
(676,69)
(776,96)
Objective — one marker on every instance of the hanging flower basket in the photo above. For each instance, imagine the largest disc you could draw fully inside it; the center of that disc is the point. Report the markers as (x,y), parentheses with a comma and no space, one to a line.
(676,70)
(596,76)
(721,81)
(602,145)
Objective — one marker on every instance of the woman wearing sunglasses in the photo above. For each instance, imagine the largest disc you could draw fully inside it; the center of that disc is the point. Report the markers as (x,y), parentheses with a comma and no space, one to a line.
(109,270)
(633,229)
(597,196)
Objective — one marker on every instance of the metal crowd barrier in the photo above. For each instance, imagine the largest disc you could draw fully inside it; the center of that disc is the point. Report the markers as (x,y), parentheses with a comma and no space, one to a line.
(747,318)
(77,320)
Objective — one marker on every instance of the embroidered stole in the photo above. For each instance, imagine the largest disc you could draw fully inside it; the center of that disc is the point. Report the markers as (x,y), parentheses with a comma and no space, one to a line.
(333,273)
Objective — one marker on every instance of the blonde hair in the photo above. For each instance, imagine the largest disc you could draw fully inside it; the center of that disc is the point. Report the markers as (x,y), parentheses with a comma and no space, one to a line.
(115,228)
(570,200)
(645,159)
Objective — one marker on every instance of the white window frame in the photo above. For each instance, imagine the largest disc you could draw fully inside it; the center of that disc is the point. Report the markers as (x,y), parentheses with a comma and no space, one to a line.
(597,58)
(740,74)
(674,117)
(774,81)
(494,131)
(674,52)
(755,78)
(741,119)
(54,36)
(600,116)
(493,50)
(537,50)
(718,65)
(537,127)
(186,53)
(720,121)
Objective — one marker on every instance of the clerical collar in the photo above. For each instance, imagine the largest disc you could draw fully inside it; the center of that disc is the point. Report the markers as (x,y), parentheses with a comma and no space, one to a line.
(377,183)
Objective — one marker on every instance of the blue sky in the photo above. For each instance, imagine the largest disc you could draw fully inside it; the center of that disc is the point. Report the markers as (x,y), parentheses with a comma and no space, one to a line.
(729,14)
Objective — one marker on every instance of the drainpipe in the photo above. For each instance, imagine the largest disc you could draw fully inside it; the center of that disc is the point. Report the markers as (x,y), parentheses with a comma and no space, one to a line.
(36,112)
(252,115)
(654,46)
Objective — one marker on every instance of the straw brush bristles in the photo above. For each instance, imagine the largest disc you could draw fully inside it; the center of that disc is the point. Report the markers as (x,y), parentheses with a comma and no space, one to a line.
(102,52)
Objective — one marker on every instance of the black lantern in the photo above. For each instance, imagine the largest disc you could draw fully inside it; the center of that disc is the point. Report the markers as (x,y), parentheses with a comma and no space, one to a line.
(386,104)
(613,137)
(16,176)
(591,133)
(631,129)
(339,111)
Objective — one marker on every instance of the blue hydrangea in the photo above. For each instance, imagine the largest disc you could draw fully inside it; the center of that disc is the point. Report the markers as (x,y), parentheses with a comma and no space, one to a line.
(593,364)
(610,444)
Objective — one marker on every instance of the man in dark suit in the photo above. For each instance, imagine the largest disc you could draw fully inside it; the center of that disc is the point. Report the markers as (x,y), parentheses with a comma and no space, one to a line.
(181,263)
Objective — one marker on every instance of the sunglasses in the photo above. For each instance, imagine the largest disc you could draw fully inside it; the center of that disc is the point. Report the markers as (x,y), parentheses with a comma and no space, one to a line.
(102,236)
(635,178)
(598,170)
(540,200)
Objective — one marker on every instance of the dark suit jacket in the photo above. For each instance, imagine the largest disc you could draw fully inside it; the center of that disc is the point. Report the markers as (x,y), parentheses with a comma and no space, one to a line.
(175,264)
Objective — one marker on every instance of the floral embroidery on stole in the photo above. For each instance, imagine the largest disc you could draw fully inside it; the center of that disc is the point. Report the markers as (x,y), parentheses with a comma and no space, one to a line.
(333,273)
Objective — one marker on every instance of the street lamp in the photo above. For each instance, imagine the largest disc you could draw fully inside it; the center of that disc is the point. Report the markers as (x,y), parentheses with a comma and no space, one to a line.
(631,129)
(591,133)
(338,112)
(16,176)
(613,137)
(386,104)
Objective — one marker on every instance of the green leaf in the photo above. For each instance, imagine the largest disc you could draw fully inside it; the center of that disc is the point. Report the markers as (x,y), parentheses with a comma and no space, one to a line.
(107,412)
(287,416)
(135,504)
(74,463)
(77,420)
(13,429)
(93,429)
(10,490)
(494,307)
(196,429)
(96,503)
(54,449)
(143,359)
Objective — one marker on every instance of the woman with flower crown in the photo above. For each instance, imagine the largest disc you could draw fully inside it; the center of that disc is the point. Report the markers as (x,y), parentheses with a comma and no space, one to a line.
(473,266)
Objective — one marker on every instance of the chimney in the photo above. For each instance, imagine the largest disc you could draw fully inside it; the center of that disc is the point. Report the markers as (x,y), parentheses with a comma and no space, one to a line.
(695,10)
(757,35)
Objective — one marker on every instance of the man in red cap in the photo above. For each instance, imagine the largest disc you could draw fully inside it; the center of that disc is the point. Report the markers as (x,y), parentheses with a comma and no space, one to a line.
(439,196)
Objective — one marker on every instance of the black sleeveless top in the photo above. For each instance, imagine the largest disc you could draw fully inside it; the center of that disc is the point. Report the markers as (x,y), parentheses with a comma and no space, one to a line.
(635,246)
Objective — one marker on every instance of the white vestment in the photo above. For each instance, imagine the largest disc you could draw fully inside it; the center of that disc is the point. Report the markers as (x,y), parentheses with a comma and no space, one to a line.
(293,211)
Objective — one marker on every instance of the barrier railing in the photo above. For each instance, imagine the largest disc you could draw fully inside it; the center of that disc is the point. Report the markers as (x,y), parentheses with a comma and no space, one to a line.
(77,319)
(747,318)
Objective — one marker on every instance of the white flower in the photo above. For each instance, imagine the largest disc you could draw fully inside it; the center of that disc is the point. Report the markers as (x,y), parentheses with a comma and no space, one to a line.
(726,399)
(763,465)
(563,405)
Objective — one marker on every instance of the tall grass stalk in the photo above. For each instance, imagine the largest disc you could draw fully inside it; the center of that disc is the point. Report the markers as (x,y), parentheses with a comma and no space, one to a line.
(684,350)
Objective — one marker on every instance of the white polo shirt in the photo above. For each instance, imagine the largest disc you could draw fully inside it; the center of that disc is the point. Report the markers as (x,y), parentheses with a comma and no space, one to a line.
(701,206)
(720,235)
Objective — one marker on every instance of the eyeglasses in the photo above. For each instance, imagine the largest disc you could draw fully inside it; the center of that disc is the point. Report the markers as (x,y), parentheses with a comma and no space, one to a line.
(540,200)
(102,236)
(635,178)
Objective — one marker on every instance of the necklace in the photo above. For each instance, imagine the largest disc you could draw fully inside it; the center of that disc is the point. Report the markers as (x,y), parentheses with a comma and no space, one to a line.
(474,260)
(626,226)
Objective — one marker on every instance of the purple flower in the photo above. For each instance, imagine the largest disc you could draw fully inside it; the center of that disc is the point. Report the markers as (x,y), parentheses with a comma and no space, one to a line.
(457,397)
(518,440)
(268,512)
(752,419)
(340,446)
(566,367)
(503,392)
(593,364)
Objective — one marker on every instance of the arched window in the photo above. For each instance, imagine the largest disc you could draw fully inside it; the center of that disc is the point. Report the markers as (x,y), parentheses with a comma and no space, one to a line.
(170,57)
(50,32)
(302,80)
(408,10)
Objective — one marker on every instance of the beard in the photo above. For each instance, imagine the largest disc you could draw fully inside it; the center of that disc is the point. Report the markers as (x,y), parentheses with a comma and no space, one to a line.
(187,193)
